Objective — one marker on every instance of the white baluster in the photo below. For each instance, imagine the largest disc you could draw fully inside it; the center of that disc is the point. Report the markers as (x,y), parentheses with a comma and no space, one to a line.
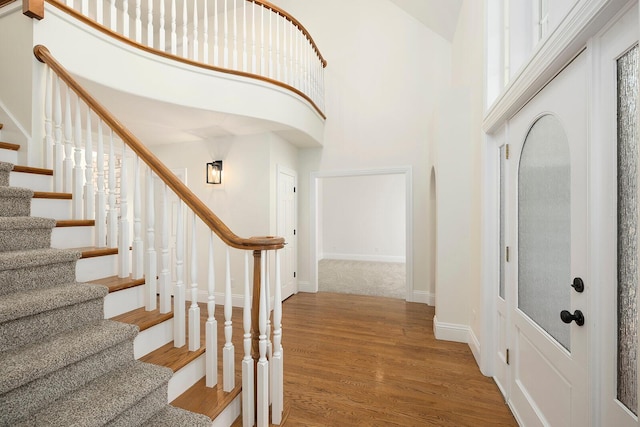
(150,42)
(205,31)
(267,274)
(76,190)
(216,35)
(211,328)
(68,145)
(194,309)
(245,66)
(137,247)
(277,378)
(195,46)
(185,34)
(179,335)
(270,53)
(100,12)
(226,36)
(58,152)
(138,22)
(101,217)
(151,261)
(89,196)
(48,119)
(124,241)
(112,217)
(174,36)
(228,364)
(248,408)
(254,59)
(277,71)
(263,364)
(126,23)
(235,36)
(292,41)
(161,30)
(262,59)
(113,16)
(85,7)
(165,274)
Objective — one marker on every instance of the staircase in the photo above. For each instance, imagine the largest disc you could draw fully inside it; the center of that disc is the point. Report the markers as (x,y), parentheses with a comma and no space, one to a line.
(62,363)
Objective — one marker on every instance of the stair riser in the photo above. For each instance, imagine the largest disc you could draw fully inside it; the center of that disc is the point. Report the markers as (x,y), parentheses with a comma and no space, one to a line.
(15,206)
(72,237)
(24,239)
(153,338)
(51,208)
(143,410)
(43,276)
(10,156)
(88,269)
(186,377)
(24,400)
(31,181)
(30,329)
(120,302)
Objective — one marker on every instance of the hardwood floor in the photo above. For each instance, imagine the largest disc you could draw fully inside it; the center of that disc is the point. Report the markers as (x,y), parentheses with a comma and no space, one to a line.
(369,361)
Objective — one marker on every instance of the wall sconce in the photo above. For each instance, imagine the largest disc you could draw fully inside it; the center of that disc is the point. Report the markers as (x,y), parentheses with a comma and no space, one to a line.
(214,172)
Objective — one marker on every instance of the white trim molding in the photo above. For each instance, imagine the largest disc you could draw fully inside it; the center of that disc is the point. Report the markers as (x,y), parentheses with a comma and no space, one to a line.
(364,257)
(424,297)
(450,331)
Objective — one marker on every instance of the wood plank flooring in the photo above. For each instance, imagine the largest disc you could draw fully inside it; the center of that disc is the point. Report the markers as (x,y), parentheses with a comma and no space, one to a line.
(370,361)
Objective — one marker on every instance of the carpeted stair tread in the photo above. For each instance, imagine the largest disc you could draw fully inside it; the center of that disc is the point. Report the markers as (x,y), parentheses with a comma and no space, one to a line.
(36,257)
(25,232)
(19,222)
(28,303)
(5,170)
(116,392)
(15,201)
(171,416)
(25,364)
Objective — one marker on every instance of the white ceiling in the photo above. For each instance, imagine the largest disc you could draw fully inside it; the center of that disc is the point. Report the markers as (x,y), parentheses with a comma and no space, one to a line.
(441,16)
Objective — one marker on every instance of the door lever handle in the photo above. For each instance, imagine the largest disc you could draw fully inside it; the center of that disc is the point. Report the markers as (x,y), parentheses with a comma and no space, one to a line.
(578,285)
(567,317)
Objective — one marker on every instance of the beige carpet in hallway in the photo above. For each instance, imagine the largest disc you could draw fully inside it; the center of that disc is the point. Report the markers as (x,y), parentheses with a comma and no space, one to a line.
(384,279)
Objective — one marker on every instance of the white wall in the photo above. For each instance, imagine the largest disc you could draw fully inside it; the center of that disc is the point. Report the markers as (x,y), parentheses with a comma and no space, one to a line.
(363,218)
(386,72)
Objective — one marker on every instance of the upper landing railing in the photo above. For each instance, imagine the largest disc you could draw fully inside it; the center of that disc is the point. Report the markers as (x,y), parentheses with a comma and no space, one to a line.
(251,38)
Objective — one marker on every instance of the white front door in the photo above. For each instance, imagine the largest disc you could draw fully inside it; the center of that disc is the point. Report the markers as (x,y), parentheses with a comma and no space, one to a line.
(549,321)
(286,227)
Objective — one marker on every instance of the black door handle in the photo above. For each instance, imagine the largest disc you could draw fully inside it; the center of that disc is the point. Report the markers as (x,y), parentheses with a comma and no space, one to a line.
(567,317)
(578,284)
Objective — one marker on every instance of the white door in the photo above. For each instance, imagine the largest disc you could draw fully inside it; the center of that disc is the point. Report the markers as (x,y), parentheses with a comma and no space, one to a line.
(287,228)
(549,355)
(617,219)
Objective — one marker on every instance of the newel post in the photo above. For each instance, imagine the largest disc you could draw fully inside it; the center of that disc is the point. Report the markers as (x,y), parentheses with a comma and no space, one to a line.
(33,8)
(255,307)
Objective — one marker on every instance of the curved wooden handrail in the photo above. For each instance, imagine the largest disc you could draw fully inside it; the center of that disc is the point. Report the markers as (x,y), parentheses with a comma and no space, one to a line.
(295,22)
(178,187)
(28,10)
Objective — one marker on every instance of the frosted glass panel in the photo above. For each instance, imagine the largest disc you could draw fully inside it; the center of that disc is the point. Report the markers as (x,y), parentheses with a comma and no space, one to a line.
(502,249)
(627,228)
(544,227)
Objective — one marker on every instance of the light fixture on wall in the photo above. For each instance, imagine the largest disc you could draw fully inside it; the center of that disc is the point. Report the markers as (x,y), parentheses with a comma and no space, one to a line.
(214,172)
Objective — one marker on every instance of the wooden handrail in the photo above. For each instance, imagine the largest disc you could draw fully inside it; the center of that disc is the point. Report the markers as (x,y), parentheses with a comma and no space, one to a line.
(295,22)
(35,9)
(178,187)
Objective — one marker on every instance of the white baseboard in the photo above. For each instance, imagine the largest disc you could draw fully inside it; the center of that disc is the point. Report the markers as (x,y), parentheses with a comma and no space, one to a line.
(363,257)
(474,345)
(305,287)
(423,297)
(450,331)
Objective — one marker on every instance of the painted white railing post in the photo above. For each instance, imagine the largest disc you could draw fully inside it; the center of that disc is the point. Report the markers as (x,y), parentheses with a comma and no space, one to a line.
(248,403)
(76,188)
(48,120)
(277,377)
(225,48)
(150,42)
(270,73)
(151,260)
(137,247)
(185,35)
(235,35)
(58,152)
(216,35)
(194,44)
(161,31)
(100,12)
(254,54)
(194,309)
(112,217)
(138,22)
(263,364)
(165,273)
(211,327)
(292,54)
(174,36)
(126,23)
(262,59)
(278,68)
(228,363)
(245,66)
(124,242)
(101,205)
(85,7)
(205,32)
(113,16)
(267,274)
(179,335)
(68,145)
(89,193)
